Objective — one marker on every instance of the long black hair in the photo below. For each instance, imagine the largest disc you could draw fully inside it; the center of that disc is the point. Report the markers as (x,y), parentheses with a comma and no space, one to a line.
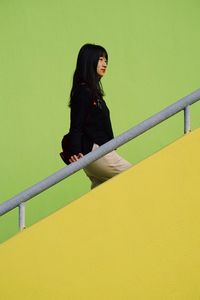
(86,70)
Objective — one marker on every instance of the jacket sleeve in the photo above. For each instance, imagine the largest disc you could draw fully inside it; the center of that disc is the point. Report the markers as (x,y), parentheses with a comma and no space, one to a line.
(79,111)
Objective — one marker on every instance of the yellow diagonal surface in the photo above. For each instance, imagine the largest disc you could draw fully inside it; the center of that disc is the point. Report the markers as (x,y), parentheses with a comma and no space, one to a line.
(135,237)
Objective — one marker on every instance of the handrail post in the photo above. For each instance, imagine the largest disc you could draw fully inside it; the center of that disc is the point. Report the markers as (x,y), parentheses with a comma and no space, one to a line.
(187,119)
(22,216)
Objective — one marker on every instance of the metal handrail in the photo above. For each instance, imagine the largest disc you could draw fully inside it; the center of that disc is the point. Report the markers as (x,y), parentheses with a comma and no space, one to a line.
(18,200)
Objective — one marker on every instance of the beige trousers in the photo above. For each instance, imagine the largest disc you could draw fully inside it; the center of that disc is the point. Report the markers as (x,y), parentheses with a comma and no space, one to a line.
(106,167)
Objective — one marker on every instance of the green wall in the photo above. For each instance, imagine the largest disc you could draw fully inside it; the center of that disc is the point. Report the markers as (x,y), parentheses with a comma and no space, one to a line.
(153,51)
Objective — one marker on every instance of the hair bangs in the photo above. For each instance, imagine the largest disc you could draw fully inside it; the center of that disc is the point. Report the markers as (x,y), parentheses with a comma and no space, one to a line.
(102,52)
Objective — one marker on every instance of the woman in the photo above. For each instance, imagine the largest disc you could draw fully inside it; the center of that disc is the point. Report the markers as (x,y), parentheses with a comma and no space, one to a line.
(90,124)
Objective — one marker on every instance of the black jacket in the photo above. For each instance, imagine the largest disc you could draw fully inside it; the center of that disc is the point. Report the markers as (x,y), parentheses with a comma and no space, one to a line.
(89,122)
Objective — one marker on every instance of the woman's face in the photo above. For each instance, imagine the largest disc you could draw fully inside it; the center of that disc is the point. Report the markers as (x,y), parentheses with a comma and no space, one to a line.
(101,66)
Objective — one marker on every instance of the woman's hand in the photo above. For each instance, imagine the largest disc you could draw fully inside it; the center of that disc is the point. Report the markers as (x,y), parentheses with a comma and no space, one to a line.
(74,158)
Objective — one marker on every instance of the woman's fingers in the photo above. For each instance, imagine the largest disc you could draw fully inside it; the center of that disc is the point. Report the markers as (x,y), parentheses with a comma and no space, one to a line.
(74,158)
